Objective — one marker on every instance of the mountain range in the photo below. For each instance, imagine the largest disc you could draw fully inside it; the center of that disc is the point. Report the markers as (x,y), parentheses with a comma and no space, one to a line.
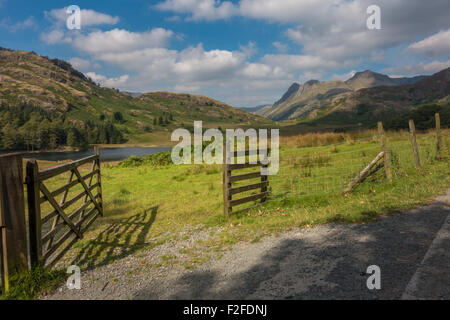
(315,99)
(37,93)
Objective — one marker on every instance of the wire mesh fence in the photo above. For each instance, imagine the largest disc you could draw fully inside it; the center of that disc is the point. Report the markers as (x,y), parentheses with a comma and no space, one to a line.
(326,170)
(320,170)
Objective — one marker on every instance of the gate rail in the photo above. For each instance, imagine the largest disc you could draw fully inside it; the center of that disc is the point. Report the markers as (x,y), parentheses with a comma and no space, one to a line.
(53,234)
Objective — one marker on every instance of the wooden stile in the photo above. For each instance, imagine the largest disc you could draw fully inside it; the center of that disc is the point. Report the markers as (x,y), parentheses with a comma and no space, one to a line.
(412,135)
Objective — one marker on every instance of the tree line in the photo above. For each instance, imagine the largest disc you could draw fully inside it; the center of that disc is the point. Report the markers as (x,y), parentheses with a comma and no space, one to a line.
(423,117)
(31,128)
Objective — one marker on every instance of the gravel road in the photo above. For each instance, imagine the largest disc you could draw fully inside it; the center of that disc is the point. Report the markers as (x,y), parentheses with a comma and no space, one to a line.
(325,262)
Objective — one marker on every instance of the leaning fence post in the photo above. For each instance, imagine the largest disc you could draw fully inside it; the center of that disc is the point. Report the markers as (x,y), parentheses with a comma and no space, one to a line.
(412,135)
(12,216)
(387,155)
(34,212)
(99,179)
(438,136)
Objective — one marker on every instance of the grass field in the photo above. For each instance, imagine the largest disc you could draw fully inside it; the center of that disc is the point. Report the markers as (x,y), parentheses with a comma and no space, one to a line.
(162,201)
(146,206)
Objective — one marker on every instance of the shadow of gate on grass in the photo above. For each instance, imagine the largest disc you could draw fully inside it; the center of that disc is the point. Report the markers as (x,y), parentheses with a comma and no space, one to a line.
(119,240)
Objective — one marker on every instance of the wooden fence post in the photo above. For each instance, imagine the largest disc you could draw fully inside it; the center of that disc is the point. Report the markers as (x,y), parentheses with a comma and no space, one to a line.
(264,179)
(12,216)
(34,209)
(412,135)
(99,179)
(438,136)
(387,155)
(226,173)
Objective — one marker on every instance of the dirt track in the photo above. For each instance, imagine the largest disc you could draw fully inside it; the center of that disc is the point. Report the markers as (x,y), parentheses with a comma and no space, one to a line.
(325,262)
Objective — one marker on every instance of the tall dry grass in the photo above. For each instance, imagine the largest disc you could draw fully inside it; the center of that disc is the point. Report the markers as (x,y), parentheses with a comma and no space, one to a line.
(326,138)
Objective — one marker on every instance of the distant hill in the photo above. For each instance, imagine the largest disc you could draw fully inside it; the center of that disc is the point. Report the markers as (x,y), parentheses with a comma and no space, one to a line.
(386,102)
(52,90)
(309,99)
(255,109)
(369,79)
(135,94)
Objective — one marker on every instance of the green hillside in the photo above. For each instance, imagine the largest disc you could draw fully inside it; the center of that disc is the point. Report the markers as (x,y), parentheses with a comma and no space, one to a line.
(75,111)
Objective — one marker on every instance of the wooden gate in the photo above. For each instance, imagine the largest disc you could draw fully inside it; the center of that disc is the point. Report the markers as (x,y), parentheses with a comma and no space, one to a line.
(53,233)
(229,180)
(3,268)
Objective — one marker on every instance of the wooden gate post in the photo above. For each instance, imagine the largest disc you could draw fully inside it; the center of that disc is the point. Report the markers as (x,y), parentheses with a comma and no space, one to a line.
(412,135)
(438,136)
(387,155)
(99,179)
(12,215)
(226,173)
(4,277)
(34,210)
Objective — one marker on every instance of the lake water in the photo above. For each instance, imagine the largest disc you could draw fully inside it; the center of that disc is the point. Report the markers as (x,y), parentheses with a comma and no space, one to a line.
(106,154)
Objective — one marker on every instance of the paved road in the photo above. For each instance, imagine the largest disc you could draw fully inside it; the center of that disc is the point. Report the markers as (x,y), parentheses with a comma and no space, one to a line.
(326,262)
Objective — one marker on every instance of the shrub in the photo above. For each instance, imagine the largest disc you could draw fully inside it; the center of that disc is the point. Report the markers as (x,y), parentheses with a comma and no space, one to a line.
(157,159)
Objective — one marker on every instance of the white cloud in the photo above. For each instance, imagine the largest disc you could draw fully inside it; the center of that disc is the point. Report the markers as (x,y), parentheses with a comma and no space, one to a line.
(419,68)
(55,36)
(173,19)
(437,45)
(88,17)
(18,26)
(281,47)
(298,62)
(331,29)
(295,35)
(118,40)
(200,9)
(221,73)
(82,64)
(58,32)
(344,76)
(108,82)
(249,50)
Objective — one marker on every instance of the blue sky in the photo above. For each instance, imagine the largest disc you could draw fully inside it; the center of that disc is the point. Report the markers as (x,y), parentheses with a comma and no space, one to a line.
(243,52)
